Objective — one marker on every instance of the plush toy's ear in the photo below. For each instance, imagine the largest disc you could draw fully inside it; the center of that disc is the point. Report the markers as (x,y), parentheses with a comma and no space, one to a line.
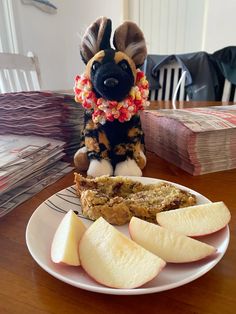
(129,39)
(96,38)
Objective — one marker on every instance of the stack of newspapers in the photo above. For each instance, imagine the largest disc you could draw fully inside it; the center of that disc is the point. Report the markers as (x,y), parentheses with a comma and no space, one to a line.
(27,165)
(47,114)
(198,140)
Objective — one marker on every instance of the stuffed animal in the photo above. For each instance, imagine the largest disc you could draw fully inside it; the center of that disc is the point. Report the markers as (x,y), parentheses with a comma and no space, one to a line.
(112,90)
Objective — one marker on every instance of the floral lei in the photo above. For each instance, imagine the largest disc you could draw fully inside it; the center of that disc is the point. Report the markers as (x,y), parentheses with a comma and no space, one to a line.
(107,110)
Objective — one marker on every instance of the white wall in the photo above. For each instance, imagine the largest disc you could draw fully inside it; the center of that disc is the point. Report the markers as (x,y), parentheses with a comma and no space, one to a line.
(55,37)
(220,25)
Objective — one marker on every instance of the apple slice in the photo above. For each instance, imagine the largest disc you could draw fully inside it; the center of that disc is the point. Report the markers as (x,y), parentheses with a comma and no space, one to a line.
(65,244)
(196,220)
(167,244)
(114,260)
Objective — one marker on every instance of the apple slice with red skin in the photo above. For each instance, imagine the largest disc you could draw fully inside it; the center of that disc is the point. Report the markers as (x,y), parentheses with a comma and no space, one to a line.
(65,244)
(167,244)
(114,260)
(196,220)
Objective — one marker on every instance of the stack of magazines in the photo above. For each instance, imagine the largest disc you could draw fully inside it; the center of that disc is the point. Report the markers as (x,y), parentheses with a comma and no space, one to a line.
(47,114)
(198,140)
(27,165)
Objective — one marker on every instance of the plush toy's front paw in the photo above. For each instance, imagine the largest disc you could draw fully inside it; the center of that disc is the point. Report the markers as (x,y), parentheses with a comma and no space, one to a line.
(128,167)
(99,168)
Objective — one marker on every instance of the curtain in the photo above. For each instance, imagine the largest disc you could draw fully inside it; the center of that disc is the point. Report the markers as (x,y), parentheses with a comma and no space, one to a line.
(170,26)
(8,35)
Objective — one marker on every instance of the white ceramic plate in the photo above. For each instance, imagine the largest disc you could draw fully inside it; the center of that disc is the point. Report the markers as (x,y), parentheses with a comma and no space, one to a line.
(44,221)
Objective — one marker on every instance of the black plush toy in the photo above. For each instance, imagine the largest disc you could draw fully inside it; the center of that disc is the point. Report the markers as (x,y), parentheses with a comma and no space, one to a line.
(112,90)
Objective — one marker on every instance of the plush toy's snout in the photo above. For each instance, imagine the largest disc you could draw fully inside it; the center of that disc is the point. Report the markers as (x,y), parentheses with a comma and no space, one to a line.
(111,80)
(112,90)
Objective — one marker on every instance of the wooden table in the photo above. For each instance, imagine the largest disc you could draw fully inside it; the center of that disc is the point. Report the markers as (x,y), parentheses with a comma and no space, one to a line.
(26,288)
(163,104)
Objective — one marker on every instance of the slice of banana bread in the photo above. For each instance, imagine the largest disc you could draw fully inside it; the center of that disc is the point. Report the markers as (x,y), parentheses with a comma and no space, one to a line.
(117,199)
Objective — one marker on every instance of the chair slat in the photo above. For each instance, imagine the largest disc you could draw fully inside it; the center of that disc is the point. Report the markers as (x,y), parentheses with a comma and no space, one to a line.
(234,93)
(161,81)
(25,83)
(34,80)
(176,78)
(226,91)
(152,94)
(11,78)
(168,84)
(18,79)
(182,91)
(4,83)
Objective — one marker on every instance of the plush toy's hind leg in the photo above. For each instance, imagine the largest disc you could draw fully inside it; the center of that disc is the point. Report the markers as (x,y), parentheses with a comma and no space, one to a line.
(141,160)
(128,167)
(81,159)
(95,168)
(99,168)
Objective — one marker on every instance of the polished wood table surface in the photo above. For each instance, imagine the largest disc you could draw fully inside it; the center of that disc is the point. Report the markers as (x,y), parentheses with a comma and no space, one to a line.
(26,288)
(167,104)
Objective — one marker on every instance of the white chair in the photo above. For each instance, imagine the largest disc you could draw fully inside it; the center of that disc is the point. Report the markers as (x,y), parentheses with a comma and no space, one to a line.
(171,85)
(169,77)
(19,73)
